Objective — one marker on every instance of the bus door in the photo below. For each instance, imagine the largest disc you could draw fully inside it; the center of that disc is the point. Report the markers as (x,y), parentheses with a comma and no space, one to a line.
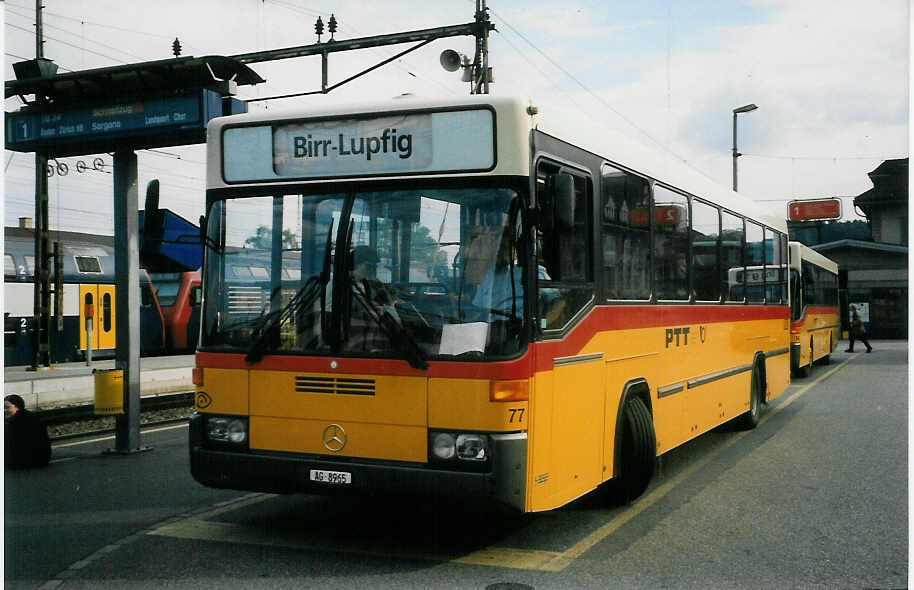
(571,397)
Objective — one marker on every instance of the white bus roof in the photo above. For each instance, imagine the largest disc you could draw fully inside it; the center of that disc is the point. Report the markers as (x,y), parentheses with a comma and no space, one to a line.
(513,125)
(800,252)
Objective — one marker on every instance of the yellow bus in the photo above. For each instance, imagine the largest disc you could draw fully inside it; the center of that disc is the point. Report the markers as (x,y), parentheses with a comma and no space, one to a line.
(475,298)
(815,326)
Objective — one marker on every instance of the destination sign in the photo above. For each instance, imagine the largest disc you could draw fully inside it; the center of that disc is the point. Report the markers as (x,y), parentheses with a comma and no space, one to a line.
(814,210)
(145,123)
(409,143)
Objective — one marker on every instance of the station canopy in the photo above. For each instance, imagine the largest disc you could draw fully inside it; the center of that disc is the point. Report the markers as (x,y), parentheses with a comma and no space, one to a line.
(130,80)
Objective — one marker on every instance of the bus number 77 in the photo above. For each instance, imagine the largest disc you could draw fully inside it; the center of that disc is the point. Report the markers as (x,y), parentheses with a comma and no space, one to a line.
(518,412)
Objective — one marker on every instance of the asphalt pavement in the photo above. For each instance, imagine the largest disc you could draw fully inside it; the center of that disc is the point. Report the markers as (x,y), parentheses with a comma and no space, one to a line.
(815,497)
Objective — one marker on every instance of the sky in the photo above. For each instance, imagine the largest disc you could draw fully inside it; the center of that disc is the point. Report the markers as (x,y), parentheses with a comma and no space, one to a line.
(830,78)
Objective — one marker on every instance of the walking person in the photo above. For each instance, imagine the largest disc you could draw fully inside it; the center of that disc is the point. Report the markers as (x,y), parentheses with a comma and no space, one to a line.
(857,332)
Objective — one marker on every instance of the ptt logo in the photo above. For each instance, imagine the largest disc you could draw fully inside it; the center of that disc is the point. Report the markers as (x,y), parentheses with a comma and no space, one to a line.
(677,336)
(203,400)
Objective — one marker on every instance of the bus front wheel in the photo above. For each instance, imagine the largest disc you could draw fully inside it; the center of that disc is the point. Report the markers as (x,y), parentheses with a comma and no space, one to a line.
(638,453)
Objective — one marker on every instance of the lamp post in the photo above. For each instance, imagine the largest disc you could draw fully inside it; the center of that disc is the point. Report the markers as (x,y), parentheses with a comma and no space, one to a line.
(743,109)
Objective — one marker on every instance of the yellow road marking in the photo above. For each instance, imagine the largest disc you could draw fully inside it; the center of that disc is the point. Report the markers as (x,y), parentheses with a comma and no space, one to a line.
(199,528)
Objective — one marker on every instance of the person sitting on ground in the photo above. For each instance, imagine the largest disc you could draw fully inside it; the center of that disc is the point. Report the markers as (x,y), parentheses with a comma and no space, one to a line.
(26,438)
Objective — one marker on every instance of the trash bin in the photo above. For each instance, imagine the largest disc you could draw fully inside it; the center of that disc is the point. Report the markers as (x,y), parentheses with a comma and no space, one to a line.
(109,391)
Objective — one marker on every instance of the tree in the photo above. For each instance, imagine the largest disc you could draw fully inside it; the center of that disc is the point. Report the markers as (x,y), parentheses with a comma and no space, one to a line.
(263,239)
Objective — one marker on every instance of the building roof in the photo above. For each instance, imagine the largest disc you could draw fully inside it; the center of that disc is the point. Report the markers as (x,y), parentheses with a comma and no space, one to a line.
(858,244)
(890,187)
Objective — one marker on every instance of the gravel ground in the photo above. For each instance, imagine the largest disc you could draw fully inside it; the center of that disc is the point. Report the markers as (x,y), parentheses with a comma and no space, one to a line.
(107,422)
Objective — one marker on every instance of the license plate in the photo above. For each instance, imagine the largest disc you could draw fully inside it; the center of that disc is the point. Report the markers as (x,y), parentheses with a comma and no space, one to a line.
(334,477)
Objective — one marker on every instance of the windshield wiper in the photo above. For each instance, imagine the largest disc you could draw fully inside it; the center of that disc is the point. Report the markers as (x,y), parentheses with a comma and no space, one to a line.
(266,335)
(398,334)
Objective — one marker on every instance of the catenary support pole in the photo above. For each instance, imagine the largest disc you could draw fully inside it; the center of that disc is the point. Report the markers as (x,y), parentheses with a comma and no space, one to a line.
(127,298)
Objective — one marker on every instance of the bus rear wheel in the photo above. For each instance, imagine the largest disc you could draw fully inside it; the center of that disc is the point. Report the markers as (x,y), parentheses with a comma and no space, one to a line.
(638,453)
(750,419)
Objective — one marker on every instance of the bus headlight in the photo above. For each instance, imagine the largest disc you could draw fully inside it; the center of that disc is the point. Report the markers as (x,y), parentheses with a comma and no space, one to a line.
(450,446)
(227,429)
(444,446)
(473,447)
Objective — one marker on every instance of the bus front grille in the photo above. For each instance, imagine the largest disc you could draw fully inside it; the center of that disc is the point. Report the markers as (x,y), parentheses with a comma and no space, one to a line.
(334,385)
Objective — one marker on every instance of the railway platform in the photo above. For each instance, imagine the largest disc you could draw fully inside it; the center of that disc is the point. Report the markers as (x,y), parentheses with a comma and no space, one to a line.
(66,384)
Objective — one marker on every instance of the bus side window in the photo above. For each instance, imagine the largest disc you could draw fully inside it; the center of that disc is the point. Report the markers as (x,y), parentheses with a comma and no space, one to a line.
(732,236)
(625,234)
(671,244)
(755,259)
(565,279)
(705,238)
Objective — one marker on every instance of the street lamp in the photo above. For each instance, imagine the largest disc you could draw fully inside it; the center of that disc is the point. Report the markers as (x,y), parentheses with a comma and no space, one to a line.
(743,109)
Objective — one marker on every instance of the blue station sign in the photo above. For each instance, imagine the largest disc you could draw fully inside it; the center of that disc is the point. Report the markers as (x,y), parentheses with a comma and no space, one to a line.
(138,124)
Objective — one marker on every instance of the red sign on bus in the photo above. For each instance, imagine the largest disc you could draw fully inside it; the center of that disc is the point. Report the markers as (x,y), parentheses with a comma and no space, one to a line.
(663,215)
(814,210)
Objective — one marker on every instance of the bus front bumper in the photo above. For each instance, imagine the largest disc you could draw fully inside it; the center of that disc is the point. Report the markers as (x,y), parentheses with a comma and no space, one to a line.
(285,473)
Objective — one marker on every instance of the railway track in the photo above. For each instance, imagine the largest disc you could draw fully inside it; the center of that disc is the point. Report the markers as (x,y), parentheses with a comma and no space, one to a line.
(76,421)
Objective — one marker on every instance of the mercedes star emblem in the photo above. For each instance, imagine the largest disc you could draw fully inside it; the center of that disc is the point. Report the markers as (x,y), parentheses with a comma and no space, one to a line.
(334,438)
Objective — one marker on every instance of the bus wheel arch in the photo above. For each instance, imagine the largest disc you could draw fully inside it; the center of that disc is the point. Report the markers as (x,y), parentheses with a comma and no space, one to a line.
(635,448)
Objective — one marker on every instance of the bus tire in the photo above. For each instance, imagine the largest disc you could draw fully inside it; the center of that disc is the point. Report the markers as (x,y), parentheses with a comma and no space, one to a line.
(638,451)
(750,419)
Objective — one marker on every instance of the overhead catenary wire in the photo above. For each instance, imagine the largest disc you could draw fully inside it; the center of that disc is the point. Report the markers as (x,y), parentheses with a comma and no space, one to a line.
(65,31)
(583,86)
(823,158)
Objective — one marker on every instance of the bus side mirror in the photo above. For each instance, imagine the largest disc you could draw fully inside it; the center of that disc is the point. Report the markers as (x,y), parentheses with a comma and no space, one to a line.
(558,210)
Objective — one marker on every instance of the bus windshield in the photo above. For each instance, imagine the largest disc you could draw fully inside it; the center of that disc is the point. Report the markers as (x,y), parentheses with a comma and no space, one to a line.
(414,274)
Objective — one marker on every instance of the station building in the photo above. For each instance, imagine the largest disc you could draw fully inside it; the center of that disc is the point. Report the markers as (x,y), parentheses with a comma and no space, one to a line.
(872,258)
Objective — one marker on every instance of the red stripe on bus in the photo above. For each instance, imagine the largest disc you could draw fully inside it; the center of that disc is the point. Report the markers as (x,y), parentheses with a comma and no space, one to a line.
(602,318)
(812,310)
(519,368)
